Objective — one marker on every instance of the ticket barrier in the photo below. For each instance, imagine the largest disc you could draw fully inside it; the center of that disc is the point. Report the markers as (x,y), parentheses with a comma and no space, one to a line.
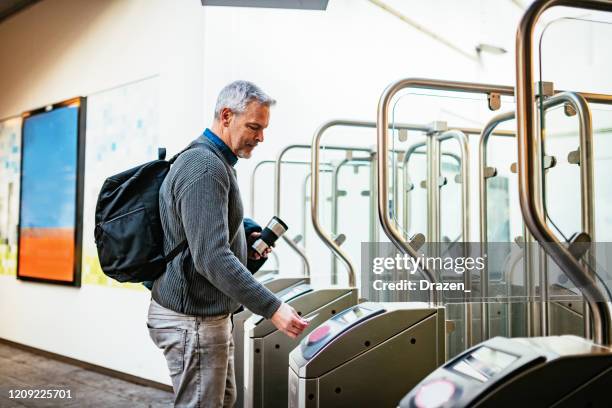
(266,349)
(368,355)
(559,371)
(275,284)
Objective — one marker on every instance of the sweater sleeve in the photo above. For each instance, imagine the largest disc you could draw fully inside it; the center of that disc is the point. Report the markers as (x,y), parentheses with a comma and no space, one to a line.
(203,206)
(250,226)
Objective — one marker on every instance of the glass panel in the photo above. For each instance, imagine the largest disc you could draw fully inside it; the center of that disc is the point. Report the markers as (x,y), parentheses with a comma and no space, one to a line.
(413,203)
(352,196)
(451,223)
(439,111)
(562,182)
(422,108)
(575,56)
(572,47)
(602,155)
(504,218)
(506,258)
(295,182)
(295,188)
(354,189)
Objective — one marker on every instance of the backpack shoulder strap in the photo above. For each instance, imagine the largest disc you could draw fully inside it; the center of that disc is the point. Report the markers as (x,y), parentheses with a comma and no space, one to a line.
(180,247)
(191,146)
(177,250)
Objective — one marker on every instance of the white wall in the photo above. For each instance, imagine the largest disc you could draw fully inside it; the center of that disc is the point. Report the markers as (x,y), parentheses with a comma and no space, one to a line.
(58,49)
(335,64)
(318,65)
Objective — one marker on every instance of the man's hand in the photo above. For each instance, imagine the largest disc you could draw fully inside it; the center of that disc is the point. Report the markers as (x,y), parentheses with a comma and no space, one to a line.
(253,254)
(288,321)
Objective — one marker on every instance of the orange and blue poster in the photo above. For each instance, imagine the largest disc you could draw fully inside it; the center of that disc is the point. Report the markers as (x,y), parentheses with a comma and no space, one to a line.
(51,194)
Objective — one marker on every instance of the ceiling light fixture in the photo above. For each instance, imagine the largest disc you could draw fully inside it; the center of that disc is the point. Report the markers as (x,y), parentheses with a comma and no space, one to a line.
(491,49)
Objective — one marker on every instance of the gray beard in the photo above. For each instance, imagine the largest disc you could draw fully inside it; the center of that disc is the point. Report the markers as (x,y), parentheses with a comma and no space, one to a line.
(243,154)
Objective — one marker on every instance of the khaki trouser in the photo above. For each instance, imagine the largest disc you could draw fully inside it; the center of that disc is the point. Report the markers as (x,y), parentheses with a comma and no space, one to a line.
(200,355)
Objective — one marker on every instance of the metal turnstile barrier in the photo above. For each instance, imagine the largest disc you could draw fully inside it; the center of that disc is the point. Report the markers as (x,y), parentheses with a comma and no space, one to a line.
(559,371)
(267,349)
(367,356)
(275,284)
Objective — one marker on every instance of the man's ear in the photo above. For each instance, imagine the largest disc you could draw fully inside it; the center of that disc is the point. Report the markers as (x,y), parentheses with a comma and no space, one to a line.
(226,116)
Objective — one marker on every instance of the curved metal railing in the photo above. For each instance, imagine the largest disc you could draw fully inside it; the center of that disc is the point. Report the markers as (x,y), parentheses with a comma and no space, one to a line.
(529,161)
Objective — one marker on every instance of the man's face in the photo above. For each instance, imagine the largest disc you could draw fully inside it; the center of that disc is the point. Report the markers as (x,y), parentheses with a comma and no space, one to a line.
(246,129)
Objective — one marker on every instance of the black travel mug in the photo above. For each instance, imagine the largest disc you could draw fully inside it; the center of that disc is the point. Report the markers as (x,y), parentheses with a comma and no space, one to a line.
(273,231)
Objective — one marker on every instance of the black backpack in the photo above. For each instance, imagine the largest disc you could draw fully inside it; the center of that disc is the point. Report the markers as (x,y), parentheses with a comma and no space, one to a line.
(128,232)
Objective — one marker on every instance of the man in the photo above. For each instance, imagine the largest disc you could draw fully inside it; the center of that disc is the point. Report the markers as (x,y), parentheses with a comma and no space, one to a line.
(189,316)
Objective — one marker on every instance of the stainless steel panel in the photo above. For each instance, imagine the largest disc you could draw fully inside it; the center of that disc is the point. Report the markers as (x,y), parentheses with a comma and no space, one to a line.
(266,383)
(275,285)
(375,362)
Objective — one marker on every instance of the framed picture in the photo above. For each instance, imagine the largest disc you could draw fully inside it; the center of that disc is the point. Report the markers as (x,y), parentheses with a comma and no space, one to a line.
(51,195)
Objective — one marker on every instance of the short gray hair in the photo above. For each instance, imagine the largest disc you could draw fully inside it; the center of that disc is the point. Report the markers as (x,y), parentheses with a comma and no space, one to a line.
(238,94)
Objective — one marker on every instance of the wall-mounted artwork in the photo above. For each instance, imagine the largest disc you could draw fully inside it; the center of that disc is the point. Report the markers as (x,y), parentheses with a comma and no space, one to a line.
(122,132)
(50,213)
(10,141)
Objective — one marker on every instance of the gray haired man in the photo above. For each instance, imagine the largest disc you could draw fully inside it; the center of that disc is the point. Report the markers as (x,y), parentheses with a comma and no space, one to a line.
(189,316)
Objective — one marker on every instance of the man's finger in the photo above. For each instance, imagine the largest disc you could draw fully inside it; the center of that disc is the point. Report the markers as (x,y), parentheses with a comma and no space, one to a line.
(291,334)
(298,321)
(293,329)
(300,326)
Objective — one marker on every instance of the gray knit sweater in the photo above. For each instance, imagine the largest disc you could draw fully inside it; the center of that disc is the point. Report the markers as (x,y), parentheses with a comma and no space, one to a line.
(199,200)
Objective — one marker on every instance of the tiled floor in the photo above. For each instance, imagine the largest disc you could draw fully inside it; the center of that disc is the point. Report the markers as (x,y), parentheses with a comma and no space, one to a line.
(21,369)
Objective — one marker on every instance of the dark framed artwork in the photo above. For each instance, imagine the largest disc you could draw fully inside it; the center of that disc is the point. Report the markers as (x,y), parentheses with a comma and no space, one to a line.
(51,195)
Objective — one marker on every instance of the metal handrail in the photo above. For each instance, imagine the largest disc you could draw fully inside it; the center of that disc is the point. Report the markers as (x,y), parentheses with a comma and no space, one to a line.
(306,198)
(528,161)
(252,183)
(277,200)
(334,197)
(314,205)
(252,192)
(314,202)
(484,275)
(258,166)
(461,138)
(382,145)
(578,103)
